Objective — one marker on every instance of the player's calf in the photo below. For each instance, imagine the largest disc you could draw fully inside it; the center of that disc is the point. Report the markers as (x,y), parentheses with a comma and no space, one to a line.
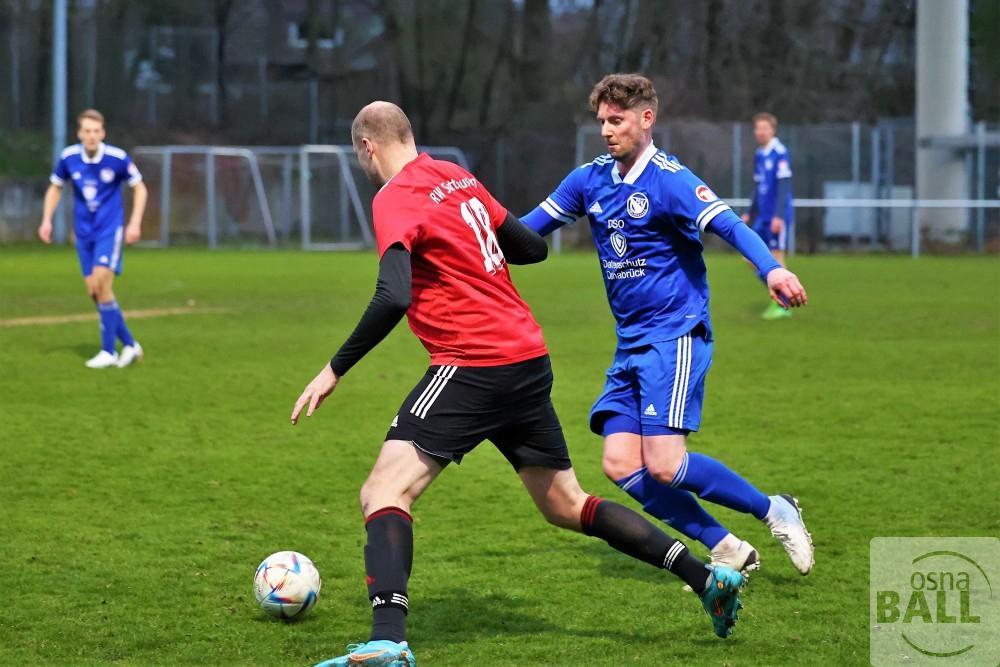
(557,495)
(557,492)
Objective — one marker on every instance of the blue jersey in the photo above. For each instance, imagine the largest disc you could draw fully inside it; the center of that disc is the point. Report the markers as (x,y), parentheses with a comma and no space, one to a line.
(772,163)
(97,192)
(646,227)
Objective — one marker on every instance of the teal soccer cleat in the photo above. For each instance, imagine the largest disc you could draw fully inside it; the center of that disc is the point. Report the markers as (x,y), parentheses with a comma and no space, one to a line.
(721,598)
(376,653)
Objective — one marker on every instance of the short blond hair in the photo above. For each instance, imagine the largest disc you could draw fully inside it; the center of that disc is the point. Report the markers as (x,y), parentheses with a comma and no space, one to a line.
(765,116)
(92,114)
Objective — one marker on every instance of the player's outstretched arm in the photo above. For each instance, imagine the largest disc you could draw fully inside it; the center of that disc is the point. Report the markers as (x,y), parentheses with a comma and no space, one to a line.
(560,208)
(783,285)
(387,307)
(520,244)
(52,196)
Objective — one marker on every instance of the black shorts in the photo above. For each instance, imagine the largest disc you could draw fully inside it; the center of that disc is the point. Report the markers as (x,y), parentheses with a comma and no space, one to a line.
(454,408)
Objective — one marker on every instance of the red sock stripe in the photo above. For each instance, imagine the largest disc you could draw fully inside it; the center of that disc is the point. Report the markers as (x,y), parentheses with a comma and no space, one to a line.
(388,510)
(589,510)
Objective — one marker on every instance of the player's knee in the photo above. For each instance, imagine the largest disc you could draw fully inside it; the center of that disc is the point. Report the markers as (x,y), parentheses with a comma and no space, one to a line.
(377,493)
(563,510)
(369,493)
(663,468)
(616,467)
(105,293)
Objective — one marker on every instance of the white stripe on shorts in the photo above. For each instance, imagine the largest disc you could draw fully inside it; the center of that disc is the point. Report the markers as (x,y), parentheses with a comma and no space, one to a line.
(429,388)
(677,381)
(116,253)
(685,381)
(682,373)
(430,394)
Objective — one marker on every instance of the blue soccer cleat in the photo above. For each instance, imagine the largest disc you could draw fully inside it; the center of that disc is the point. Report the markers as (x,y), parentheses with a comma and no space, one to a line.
(721,598)
(376,653)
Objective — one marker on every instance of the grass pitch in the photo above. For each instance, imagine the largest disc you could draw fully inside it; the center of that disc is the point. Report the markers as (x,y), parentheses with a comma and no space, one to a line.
(137,503)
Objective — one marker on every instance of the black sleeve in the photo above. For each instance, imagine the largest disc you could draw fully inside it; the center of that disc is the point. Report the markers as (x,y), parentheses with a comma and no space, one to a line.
(520,243)
(387,307)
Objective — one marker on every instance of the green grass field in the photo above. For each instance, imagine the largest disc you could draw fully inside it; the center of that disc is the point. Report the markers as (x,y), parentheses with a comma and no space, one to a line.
(136,503)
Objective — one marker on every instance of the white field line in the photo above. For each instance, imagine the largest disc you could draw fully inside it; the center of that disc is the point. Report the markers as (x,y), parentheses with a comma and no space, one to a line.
(90,317)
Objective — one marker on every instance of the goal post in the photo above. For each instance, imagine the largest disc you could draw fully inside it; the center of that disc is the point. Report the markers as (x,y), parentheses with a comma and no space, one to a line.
(312,196)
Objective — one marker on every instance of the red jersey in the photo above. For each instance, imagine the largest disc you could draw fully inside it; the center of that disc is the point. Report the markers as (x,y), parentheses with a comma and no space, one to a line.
(465,309)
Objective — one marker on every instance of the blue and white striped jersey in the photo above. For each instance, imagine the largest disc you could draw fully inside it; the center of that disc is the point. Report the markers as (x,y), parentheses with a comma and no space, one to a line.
(97,191)
(772,163)
(646,228)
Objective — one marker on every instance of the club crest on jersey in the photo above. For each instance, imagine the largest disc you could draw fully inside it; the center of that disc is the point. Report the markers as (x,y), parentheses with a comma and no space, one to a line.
(107,175)
(637,205)
(619,243)
(703,193)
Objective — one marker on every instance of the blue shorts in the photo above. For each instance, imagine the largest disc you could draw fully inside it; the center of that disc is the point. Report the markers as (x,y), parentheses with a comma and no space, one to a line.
(660,385)
(777,241)
(103,251)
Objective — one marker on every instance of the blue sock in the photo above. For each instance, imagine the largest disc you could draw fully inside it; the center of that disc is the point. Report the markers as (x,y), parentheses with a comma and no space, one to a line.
(716,483)
(109,325)
(679,509)
(124,335)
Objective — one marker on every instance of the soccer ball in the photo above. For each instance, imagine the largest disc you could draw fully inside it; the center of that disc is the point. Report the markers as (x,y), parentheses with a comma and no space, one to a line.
(287,585)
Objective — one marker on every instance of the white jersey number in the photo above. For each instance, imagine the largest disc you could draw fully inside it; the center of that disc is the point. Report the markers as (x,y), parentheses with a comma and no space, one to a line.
(476,217)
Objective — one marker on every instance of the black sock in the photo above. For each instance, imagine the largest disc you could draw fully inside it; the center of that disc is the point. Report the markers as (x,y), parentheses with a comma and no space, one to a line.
(630,533)
(388,560)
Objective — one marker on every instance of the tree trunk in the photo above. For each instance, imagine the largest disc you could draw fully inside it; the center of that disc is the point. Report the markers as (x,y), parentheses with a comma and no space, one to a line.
(456,81)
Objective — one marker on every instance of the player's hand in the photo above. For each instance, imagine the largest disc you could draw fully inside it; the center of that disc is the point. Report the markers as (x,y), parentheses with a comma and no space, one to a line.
(45,231)
(315,393)
(133,233)
(786,289)
(777,224)
(745,218)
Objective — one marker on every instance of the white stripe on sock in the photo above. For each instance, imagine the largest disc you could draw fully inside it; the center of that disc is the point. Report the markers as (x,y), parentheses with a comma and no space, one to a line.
(632,479)
(681,472)
(672,553)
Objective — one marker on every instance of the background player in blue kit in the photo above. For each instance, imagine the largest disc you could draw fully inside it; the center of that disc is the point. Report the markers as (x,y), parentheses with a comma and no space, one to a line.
(646,213)
(97,171)
(771,212)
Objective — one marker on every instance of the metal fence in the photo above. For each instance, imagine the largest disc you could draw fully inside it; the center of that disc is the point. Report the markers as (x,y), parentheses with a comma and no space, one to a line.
(314,196)
(853,184)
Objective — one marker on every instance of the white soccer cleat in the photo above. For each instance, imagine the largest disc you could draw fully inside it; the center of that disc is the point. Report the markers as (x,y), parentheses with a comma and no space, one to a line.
(103,359)
(785,521)
(743,558)
(129,355)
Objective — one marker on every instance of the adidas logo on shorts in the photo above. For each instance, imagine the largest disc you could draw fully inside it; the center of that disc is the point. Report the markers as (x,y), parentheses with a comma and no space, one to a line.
(395,422)
(650,411)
